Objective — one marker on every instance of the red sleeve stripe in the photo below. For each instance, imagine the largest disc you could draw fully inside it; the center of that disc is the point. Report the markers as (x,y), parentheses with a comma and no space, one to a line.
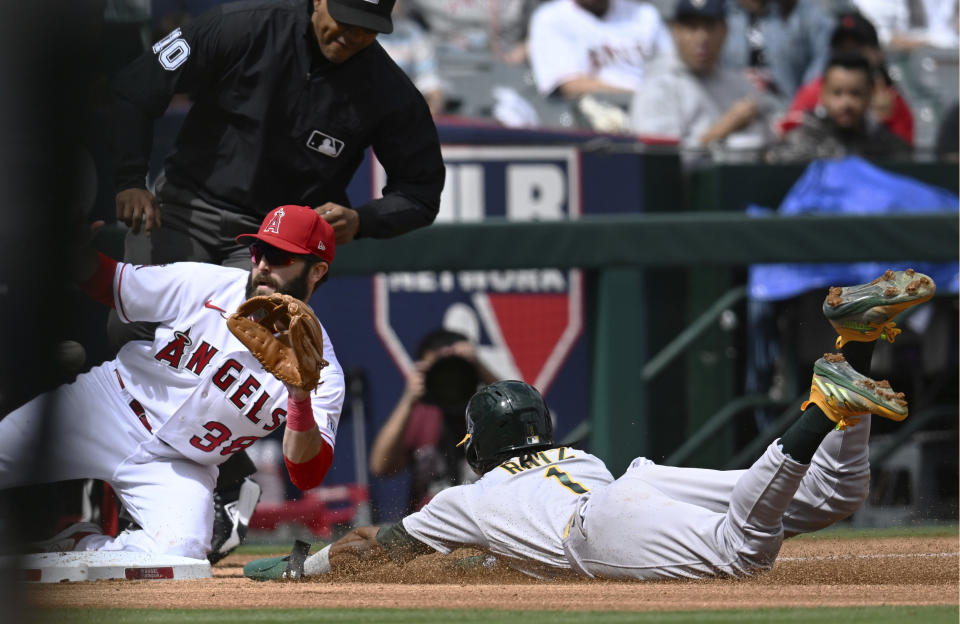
(120,307)
(310,473)
(100,285)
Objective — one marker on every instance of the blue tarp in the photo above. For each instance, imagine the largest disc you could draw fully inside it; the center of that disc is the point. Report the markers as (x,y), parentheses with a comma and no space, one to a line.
(850,186)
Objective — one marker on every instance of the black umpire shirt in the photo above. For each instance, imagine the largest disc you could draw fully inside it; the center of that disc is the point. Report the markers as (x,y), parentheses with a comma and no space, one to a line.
(274,122)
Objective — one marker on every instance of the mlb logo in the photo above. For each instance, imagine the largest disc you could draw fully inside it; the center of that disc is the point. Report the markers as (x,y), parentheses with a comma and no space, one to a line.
(325,144)
(525,323)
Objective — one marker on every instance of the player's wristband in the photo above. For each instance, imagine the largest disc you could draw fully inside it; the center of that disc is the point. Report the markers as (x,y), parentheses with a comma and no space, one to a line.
(300,415)
(318,562)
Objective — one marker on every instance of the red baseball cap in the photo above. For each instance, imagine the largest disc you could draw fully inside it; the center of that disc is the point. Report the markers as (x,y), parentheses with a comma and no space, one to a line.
(297,229)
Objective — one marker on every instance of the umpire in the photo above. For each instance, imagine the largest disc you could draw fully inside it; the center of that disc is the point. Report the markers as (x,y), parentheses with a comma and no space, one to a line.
(286,95)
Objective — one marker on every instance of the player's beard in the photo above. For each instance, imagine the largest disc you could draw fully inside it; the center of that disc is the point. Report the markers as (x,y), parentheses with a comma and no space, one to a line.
(296,287)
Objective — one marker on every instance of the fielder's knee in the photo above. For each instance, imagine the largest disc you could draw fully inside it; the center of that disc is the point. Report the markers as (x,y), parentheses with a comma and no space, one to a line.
(194,549)
(178,546)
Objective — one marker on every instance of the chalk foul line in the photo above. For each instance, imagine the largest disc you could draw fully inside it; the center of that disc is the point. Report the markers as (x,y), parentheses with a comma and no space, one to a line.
(872,556)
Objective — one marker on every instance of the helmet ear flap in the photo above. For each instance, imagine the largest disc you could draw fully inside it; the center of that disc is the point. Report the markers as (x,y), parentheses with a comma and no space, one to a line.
(473,458)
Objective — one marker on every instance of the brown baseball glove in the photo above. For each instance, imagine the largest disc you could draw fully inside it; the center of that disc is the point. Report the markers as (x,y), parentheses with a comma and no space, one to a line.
(284,334)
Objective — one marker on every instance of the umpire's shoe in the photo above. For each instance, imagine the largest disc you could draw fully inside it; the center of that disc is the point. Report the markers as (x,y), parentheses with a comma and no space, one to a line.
(289,567)
(844,394)
(864,313)
(232,511)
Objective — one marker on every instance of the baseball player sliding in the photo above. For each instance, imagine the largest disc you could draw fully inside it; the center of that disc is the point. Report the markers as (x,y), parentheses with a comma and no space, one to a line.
(157,420)
(550,510)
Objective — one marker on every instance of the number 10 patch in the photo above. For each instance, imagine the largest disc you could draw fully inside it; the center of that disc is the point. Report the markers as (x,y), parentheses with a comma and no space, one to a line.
(172,51)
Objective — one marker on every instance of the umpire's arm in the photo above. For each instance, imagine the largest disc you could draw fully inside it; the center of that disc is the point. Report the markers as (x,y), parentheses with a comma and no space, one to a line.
(407,145)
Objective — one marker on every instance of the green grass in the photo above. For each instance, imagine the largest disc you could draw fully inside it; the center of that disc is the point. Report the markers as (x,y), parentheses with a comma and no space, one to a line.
(274,548)
(270,549)
(853,615)
(847,532)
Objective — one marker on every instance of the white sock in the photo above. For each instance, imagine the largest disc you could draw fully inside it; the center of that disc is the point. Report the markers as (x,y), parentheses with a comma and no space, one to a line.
(317,563)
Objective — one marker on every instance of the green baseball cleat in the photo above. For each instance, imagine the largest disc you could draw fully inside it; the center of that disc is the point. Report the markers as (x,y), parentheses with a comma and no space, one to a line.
(864,313)
(844,394)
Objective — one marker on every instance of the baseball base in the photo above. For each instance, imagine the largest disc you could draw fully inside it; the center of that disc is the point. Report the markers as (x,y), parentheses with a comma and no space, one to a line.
(98,565)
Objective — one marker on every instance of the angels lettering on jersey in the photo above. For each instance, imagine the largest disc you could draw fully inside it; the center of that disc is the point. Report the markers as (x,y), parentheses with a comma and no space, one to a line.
(635,55)
(179,354)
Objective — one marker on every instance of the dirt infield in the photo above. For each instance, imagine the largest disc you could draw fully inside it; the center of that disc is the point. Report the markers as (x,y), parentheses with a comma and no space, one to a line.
(809,573)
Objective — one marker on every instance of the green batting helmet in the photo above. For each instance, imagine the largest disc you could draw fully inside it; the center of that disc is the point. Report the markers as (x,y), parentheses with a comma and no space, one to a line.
(505,419)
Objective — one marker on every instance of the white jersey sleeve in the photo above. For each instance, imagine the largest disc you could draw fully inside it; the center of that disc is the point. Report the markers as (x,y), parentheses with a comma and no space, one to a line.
(327,400)
(446,522)
(158,293)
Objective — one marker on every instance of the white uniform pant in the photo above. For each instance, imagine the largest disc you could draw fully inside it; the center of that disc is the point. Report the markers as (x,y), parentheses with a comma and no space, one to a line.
(659,522)
(84,430)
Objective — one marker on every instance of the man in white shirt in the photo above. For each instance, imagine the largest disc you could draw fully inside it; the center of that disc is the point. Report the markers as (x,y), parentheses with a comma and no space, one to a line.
(579,47)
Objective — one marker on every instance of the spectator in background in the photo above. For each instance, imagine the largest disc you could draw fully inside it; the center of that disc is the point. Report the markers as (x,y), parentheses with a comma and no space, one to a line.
(426,424)
(413,50)
(495,26)
(580,47)
(855,32)
(842,125)
(782,43)
(692,98)
(908,24)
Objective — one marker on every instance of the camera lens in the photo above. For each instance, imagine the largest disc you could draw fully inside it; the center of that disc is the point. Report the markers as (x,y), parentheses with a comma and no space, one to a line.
(451,380)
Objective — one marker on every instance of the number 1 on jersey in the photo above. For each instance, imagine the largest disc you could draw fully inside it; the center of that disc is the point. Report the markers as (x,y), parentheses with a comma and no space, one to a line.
(564,480)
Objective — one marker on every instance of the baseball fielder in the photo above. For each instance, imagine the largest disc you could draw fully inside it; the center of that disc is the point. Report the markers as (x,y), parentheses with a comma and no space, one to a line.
(157,420)
(547,510)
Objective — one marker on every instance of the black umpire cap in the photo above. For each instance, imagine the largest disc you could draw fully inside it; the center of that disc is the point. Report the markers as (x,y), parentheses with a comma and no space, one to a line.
(371,14)
(702,9)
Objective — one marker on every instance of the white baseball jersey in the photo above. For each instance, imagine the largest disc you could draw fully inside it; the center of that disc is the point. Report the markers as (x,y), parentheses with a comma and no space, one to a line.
(518,511)
(562,512)
(203,392)
(567,41)
(155,421)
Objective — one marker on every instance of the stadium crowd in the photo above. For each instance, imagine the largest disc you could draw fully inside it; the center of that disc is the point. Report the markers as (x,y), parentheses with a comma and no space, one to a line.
(747,77)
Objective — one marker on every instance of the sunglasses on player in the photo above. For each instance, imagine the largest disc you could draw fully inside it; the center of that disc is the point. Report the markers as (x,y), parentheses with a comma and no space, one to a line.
(273,256)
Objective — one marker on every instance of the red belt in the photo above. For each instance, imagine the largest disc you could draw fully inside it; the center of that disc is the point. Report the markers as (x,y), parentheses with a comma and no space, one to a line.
(135,405)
